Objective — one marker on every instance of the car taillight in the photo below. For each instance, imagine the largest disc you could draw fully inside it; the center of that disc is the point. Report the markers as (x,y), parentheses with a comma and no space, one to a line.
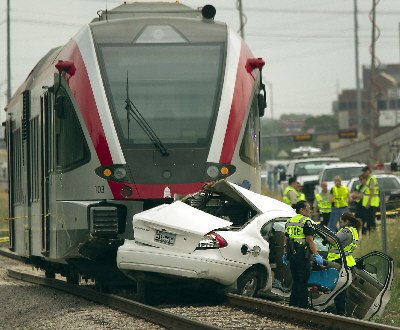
(212,241)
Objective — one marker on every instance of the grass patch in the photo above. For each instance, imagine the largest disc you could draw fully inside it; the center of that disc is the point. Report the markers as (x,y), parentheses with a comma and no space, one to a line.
(373,242)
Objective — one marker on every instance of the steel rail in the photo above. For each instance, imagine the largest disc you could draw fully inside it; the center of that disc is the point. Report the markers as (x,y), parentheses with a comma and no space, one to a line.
(11,255)
(303,316)
(131,307)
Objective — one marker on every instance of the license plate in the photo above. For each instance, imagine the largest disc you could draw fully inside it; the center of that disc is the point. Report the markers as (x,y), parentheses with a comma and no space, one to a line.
(165,237)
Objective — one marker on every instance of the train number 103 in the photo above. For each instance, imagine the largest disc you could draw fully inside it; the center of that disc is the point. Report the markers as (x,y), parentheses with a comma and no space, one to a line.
(99,189)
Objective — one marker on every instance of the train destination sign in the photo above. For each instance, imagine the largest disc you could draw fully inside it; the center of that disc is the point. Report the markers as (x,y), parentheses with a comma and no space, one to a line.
(347,134)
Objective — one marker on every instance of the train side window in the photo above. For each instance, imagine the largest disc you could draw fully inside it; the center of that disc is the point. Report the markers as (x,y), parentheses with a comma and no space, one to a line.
(72,150)
(249,147)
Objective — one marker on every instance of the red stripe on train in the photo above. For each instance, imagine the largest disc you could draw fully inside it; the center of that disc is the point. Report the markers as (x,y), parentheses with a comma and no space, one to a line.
(241,97)
(83,94)
(145,191)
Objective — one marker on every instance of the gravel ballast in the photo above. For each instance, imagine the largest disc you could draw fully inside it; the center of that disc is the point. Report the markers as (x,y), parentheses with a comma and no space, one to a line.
(30,306)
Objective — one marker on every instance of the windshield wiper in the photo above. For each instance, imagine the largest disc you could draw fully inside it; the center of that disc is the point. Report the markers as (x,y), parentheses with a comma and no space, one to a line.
(132,111)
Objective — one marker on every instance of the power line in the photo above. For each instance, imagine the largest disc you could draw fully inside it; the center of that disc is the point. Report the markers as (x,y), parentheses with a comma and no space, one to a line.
(317,12)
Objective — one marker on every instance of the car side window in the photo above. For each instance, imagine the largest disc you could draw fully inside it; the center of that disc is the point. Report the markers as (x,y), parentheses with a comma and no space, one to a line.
(273,228)
(376,267)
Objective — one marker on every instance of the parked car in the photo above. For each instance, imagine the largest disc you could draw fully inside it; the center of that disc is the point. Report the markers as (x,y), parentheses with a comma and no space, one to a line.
(307,170)
(346,170)
(233,237)
(388,183)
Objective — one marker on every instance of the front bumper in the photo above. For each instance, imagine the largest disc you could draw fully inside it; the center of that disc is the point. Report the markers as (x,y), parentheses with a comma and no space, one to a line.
(201,264)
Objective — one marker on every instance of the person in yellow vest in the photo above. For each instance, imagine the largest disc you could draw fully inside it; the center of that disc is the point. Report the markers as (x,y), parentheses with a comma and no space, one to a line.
(291,194)
(302,196)
(323,204)
(348,236)
(300,251)
(339,199)
(370,200)
(358,196)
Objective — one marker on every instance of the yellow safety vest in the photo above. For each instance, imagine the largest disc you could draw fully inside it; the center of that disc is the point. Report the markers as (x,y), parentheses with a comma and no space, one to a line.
(301,197)
(294,228)
(286,199)
(340,196)
(324,205)
(333,252)
(375,197)
(359,189)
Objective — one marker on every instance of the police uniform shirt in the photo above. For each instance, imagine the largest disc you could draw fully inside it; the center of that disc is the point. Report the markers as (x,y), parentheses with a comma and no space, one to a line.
(308,229)
(292,196)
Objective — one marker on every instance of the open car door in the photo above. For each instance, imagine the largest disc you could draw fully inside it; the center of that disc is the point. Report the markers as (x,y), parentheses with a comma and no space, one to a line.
(369,291)
(274,232)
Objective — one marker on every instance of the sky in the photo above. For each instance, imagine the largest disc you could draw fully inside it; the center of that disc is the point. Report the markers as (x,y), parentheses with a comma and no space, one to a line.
(308,45)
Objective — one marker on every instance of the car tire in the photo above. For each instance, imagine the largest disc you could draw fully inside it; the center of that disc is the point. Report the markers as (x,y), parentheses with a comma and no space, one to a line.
(249,283)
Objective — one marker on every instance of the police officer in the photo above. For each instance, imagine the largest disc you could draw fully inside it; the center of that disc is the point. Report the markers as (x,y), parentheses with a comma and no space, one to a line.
(323,205)
(291,194)
(370,200)
(300,251)
(348,236)
(340,197)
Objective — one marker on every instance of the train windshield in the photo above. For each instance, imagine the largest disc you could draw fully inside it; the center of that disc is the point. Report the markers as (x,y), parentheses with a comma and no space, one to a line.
(175,87)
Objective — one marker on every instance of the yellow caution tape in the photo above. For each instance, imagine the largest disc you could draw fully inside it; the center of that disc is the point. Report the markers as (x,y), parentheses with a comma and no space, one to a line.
(4,239)
(25,217)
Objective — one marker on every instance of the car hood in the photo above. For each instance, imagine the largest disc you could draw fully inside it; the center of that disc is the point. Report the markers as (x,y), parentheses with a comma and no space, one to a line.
(307,178)
(260,203)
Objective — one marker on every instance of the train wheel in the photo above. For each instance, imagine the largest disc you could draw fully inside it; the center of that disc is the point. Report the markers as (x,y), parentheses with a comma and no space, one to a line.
(73,278)
(147,293)
(101,286)
(49,274)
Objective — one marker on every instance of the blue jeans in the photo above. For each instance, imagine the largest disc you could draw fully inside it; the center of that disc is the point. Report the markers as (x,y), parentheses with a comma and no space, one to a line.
(335,216)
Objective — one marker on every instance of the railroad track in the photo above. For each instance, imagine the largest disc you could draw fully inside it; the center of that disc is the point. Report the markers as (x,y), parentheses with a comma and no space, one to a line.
(174,320)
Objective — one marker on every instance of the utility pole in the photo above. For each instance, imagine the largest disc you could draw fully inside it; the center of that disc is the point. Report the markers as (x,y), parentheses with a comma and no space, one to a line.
(8,54)
(372,94)
(359,104)
(242,18)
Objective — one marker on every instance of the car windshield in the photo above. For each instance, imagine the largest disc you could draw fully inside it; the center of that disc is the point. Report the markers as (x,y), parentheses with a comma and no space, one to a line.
(311,168)
(345,173)
(175,87)
(388,183)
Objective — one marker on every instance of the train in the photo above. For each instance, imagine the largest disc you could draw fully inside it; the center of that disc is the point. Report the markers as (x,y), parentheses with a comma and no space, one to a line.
(146,103)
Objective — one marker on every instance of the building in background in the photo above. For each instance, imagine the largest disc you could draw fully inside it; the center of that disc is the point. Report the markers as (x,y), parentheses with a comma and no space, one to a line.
(387,82)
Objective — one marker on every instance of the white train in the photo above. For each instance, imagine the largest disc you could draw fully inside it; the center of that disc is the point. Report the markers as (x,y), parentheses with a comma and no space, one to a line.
(145,102)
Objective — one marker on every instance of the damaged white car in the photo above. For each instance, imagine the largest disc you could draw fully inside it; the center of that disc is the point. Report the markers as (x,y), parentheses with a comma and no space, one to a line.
(228,235)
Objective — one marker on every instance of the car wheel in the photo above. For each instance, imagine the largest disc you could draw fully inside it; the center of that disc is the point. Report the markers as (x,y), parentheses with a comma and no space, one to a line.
(249,283)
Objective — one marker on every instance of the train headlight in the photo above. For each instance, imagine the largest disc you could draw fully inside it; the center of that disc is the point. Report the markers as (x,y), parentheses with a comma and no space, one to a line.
(119,173)
(212,171)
